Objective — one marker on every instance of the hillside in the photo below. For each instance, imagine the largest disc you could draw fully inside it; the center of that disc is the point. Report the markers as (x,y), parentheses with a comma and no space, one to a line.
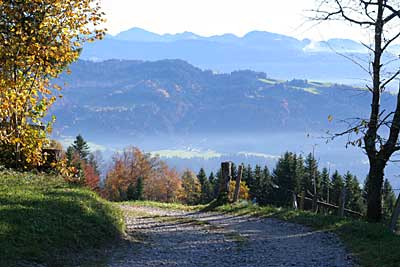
(172,97)
(46,221)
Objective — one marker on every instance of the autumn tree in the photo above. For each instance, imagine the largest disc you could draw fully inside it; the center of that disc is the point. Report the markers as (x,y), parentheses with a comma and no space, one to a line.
(378,134)
(38,40)
(137,175)
(191,188)
(243,190)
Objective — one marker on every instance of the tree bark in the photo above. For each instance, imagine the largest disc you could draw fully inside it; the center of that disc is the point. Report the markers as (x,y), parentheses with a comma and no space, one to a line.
(374,198)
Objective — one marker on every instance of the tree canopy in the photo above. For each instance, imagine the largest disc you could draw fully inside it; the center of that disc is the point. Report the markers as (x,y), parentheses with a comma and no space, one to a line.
(38,40)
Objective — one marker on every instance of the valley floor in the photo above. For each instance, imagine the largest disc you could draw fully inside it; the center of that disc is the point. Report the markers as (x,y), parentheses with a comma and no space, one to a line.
(160,237)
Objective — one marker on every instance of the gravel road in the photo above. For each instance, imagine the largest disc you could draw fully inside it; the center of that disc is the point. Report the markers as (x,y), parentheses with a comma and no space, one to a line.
(157,237)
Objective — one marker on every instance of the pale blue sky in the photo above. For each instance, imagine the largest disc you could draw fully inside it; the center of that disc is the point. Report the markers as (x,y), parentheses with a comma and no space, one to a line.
(210,17)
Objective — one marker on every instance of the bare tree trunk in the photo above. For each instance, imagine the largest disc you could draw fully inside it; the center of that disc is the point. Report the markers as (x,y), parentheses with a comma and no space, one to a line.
(237,186)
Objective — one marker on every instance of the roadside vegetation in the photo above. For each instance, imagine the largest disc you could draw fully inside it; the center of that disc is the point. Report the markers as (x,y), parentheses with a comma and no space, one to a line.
(44,219)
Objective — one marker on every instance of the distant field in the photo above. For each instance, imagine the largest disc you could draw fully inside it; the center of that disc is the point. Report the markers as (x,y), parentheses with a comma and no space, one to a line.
(44,220)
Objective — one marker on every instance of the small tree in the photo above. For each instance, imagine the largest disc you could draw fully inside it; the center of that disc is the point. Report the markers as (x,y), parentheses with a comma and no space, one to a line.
(81,147)
(191,188)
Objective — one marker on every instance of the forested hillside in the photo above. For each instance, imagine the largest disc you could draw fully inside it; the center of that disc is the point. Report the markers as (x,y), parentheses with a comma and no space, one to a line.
(170,97)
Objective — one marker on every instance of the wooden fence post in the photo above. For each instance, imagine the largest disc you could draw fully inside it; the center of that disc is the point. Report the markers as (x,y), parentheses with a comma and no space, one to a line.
(226,175)
(237,186)
(395,215)
(342,202)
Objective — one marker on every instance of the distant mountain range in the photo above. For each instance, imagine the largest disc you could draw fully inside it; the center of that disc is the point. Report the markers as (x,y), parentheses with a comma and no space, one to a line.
(278,55)
(172,97)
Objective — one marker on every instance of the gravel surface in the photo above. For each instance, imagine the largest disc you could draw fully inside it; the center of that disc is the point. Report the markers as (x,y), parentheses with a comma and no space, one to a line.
(157,237)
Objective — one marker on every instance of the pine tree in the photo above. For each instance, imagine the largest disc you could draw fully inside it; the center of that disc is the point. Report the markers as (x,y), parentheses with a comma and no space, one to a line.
(337,186)
(325,185)
(353,192)
(217,181)
(131,192)
(389,199)
(311,175)
(254,187)
(139,188)
(234,171)
(206,195)
(264,196)
(286,175)
(212,182)
(70,154)
(92,161)
(248,177)
(81,147)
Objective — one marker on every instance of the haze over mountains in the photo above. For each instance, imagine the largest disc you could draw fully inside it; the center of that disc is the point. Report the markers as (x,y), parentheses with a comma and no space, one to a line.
(196,100)
(280,56)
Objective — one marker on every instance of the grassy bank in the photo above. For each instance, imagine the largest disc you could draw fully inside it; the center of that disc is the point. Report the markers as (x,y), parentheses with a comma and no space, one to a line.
(372,245)
(45,220)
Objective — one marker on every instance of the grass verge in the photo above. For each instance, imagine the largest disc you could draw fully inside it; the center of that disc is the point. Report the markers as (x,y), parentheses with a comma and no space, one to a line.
(45,220)
(371,245)
(169,206)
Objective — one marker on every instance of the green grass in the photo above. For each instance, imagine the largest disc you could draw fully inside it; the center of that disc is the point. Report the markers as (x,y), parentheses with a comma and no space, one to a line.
(372,244)
(45,220)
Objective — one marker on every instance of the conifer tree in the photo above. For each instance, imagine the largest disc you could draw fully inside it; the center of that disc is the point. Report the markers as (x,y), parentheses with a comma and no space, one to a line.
(81,147)
(256,187)
(139,188)
(248,177)
(130,192)
(206,195)
(212,181)
(353,192)
(389,199)
(337,186)
(265,196)
(325,187)
(286,175)
(234,171)
(311,175)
